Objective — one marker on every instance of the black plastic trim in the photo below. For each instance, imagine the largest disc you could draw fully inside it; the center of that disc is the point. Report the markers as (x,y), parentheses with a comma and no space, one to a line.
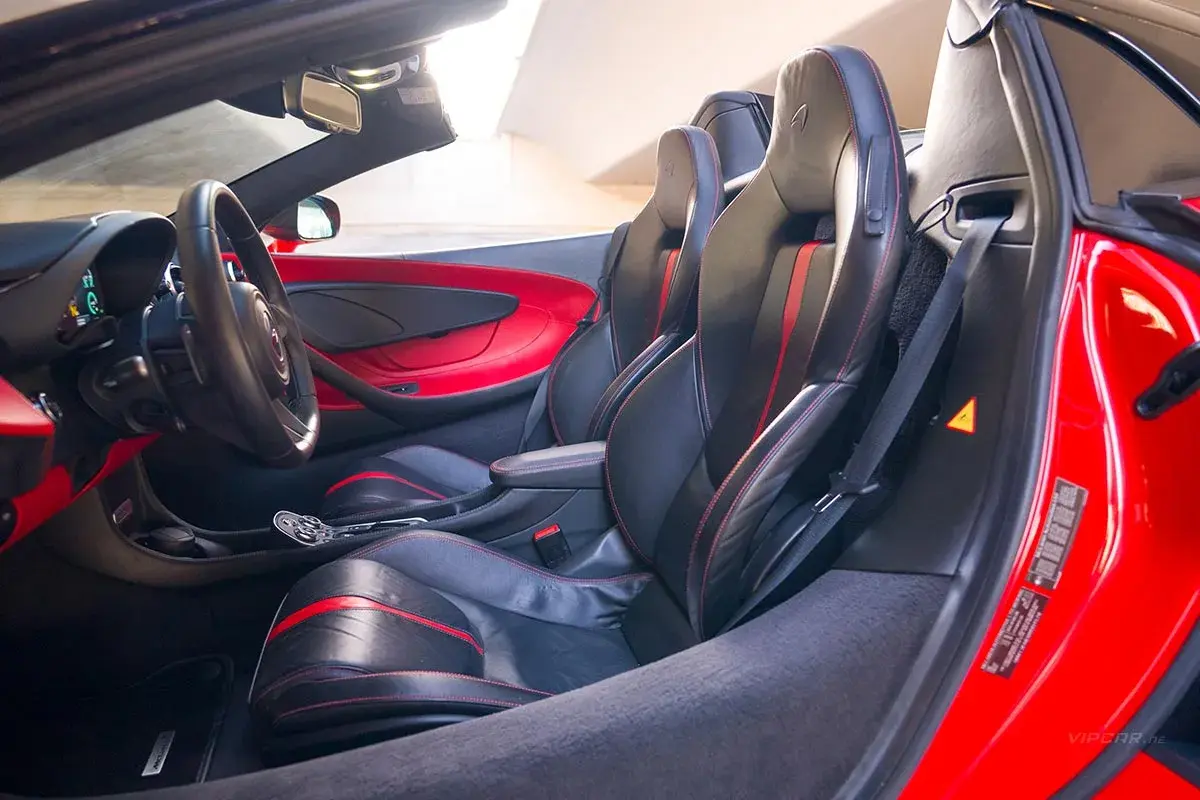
(1142,726)
(344,317)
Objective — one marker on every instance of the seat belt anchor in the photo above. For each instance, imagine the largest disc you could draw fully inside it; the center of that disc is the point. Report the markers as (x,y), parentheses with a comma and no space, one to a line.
(837,493)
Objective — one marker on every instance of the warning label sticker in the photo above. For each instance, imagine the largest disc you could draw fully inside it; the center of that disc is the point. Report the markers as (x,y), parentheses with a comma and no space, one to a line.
(1062,520)
(1018,628)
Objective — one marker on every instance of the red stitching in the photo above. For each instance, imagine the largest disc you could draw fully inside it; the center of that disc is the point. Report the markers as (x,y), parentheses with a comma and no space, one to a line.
(290,678)
(717,197)
(741,492)
(497,467)
(402,672)
(401,537)
(608,453)
(887,251)
(401,698)
(615,398)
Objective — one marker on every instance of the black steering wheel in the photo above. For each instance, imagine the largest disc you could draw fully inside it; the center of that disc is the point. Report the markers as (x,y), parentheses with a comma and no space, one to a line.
(251,347)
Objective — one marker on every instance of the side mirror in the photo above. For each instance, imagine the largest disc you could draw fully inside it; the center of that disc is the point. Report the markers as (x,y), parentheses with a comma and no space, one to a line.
(311,220)
(323,103)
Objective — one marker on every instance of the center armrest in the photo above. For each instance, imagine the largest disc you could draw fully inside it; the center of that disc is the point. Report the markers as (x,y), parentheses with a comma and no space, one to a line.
(575,466)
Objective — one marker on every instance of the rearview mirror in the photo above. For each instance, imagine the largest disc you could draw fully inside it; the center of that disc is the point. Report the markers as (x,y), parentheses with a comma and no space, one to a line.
(311,220)
(323,103)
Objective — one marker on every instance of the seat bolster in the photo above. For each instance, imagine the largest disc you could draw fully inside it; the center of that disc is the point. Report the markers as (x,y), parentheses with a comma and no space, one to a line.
(415,693)
(464,568)
(641,366)
(406,478)
(353,617)
(721,539)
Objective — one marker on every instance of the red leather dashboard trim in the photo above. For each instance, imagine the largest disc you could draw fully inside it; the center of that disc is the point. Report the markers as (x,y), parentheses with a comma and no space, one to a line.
(54,493)
(18,417)
(480,357)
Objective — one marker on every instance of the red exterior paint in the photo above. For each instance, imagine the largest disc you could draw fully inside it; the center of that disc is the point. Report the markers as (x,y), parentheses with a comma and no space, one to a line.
(352,603)
(1144,778)
(467,360)
(1127,598)
(54,493)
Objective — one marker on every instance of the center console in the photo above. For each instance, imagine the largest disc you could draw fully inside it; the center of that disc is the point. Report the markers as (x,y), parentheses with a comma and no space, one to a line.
(547,507)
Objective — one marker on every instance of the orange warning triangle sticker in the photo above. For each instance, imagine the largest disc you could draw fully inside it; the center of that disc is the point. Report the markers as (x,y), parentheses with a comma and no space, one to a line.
(964,420)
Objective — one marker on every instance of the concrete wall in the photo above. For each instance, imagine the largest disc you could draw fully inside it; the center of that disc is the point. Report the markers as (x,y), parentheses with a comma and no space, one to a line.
(600,79)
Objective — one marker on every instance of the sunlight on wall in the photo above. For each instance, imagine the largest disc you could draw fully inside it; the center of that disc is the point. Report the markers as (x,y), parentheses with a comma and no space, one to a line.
(475,67)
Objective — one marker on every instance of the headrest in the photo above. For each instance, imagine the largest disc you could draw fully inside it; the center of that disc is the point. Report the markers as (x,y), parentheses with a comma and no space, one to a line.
(684,152)
(740,124)
(826,98)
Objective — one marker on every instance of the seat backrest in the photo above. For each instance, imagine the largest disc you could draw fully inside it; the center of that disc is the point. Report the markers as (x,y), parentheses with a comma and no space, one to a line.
(740,124)
(796,282)
(652,294)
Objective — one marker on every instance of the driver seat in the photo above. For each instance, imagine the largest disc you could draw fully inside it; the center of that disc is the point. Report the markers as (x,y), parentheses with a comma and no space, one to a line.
(424,628)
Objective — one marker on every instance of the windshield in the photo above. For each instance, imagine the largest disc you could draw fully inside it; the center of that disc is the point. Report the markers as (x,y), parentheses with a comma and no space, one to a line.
(148,167)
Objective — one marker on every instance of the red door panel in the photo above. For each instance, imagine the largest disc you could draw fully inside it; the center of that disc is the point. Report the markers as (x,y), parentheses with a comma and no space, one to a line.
(467,360)
(1128,594)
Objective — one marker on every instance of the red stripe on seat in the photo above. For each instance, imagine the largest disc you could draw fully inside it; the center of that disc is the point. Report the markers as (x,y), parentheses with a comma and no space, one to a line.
(791,312)
(386,476)
(354,603)
(665,292)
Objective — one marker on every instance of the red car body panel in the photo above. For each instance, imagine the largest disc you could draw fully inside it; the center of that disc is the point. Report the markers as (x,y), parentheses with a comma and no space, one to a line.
(468,360)
(1126,600)
(1145,778)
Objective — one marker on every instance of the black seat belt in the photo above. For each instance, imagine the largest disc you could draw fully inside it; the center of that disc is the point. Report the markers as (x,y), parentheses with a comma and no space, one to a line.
(537,408)
(858,477)
(604,285)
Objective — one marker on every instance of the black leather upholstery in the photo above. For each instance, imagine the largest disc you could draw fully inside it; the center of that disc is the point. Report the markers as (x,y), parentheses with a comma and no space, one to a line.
(405,479)
(426,628)
(697,454)
(650,312)
(574,466)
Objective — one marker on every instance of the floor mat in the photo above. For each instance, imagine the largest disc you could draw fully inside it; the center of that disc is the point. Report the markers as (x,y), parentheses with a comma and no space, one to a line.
(158,732)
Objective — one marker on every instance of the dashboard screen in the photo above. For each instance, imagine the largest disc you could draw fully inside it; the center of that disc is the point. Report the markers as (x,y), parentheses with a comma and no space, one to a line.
(85,307)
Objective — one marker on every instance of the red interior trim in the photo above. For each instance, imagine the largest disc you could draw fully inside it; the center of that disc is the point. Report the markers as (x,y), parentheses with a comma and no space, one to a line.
(352,603)
(791,312)
(385,476)
(665,293)
(55,492)
(462,361)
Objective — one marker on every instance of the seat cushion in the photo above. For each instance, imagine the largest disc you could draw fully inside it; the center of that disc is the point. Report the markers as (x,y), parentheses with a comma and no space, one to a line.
(404,479)
(426,628)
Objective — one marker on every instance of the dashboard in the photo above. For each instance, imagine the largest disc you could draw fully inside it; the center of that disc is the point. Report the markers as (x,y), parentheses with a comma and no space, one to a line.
(85,307)
(70,290)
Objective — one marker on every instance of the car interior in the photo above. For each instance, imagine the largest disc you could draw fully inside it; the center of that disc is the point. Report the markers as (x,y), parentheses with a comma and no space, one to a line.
(494,520)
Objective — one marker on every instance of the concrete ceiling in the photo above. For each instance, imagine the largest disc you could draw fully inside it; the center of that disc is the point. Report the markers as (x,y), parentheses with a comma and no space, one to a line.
(601,79)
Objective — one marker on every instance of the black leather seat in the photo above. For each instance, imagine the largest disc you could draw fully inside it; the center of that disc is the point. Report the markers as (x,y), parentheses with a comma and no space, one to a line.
(425,628)
(649,315)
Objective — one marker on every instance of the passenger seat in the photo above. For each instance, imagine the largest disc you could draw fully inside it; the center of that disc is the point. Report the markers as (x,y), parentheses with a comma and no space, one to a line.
(650,312)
